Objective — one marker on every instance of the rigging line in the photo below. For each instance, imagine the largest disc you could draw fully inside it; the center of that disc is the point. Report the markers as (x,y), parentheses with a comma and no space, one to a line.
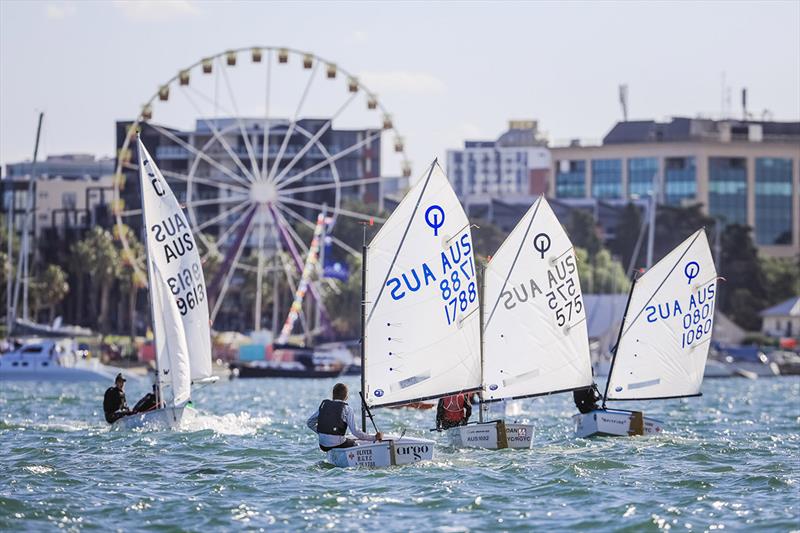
(324,186)
(221,186)
(337,210)
(292,213)
(229,273)
(313,139)
(338,155)
(402,239)
(514,263)
(663,281)
(219,217)
(219,138)
(202,155)
(287,136)
(245,137)
(262,176)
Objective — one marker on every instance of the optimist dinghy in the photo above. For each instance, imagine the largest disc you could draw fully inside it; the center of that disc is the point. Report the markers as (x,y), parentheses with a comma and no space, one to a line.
(663,341)
(534,326)
(420,318)
(178,301)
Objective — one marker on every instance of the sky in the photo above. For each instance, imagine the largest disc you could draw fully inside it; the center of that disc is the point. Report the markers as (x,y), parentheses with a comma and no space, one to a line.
(446,71)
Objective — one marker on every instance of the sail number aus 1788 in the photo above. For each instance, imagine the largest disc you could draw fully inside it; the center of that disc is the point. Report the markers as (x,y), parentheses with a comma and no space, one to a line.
(458,289)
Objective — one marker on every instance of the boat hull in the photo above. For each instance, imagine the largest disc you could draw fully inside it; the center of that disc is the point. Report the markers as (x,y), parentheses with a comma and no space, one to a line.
(390,452)
(615,423)
(244,370)
(165,418)
(495,435)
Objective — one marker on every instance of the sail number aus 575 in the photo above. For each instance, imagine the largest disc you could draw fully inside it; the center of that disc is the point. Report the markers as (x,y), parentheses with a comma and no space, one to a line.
(565,300)
(188,288)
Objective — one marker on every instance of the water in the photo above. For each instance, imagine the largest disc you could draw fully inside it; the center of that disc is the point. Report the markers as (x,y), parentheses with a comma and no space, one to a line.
(730,459)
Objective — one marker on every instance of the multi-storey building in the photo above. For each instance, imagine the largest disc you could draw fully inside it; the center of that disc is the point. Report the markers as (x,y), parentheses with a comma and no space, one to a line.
(517,163)
(744,172)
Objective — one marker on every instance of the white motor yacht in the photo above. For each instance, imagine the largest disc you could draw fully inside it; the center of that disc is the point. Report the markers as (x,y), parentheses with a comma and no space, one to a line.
(53,360)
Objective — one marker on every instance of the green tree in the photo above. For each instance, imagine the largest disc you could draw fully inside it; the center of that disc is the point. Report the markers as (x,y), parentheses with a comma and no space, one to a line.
(600,274)
(582,230)
(132,279)
(627,232)
(47,290)
(743,294)
(346,300)
(676,224)
(782,277)
(101,260)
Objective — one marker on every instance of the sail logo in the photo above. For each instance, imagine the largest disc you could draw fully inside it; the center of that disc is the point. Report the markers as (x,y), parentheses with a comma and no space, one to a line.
(154,181)
(541,243)
(434,217)
(415,451)
(378,393)
(691,270)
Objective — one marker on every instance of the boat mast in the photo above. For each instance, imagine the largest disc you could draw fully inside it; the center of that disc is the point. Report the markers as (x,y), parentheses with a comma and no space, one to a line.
(363,327)
(150,280)
(619,337)
(481,285)
(23,261)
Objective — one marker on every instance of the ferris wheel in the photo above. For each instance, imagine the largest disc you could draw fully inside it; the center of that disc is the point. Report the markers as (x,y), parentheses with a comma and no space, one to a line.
(258,143)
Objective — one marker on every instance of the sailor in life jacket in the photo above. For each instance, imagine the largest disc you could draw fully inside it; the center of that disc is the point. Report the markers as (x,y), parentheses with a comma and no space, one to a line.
(453,411)
(333,418)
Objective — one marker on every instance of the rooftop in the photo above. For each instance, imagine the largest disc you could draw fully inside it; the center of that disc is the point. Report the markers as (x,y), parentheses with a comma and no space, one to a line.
(790,307)
(696,129)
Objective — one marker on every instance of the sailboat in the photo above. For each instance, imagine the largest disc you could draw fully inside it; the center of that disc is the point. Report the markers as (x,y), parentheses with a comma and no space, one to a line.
(663,340)
(178,301)
(420,315)
(534,326)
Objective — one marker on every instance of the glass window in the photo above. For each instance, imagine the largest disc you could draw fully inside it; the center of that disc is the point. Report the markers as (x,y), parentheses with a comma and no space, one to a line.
(571,179)
(642,175)
(680,180)
(773,200)
(606,178)
(727,189)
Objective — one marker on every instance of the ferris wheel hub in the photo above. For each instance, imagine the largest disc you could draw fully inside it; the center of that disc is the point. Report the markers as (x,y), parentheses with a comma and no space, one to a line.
(263,193)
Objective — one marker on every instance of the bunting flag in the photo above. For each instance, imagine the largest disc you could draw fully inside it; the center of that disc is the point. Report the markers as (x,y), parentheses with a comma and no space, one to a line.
(310,266)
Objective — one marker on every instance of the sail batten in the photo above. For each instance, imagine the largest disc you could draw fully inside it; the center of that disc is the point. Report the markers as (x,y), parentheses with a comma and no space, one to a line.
(663,348)
(534,339)
(422,332)
(173,252)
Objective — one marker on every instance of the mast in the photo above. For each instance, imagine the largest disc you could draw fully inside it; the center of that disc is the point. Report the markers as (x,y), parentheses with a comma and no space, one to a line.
(481,285)
(150,280)
(363,327)
(619,337)
(23,260)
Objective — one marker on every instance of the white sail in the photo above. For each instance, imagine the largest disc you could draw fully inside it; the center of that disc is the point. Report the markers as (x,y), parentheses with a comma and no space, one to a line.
(535,339)
(666,333)
(422,316)
(171,350)
(172,248)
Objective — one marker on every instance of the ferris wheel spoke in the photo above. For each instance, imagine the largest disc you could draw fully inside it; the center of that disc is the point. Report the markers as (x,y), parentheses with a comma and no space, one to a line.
(265,128)
(336,210)
(338,155)
(292,232)
(131,213)
(202,155)
(245,137)
(194,179)
(230,229)
(200,227)
(288,135)
(325,186)
(260,269)
(292,213)
(229,274)
(220,138)
(313,139)
(216,201)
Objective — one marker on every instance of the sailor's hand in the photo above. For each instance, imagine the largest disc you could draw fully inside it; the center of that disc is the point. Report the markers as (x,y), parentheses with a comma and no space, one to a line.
(378,436)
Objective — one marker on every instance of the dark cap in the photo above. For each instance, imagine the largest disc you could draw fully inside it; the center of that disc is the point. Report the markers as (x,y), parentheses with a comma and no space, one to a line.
(119,378)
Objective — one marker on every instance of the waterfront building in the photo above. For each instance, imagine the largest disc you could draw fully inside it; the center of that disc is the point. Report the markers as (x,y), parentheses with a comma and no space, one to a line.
(744,172)
(783,319)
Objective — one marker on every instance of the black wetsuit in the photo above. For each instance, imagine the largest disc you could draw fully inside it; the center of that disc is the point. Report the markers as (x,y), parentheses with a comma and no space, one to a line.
(147,403)
(586,399)
(115,405)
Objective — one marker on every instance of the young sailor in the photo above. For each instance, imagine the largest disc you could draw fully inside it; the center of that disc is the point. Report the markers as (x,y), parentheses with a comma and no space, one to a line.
(453,411)
(586,399)
(333,418)
(115,405)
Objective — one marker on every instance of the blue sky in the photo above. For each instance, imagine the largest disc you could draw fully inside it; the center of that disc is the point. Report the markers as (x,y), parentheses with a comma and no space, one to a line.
(446,71)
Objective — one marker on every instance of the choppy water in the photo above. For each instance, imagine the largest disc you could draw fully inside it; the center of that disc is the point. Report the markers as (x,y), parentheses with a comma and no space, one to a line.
(730,459)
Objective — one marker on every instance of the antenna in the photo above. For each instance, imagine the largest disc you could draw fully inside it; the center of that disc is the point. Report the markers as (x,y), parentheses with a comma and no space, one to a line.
(623,100)
(744,103)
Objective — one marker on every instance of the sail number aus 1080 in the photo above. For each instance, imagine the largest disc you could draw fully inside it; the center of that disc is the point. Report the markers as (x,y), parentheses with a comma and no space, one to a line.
(188,288)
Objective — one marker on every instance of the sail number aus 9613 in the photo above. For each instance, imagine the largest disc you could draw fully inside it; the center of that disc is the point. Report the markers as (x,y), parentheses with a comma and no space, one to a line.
(188,288)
